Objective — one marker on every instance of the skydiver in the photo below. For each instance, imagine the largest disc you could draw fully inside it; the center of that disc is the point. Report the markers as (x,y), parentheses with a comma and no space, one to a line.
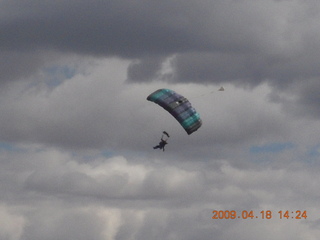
(163,141)
(161,144)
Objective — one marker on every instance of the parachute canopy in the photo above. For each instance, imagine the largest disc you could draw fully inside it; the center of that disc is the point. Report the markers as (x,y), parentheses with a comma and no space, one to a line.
(179,107)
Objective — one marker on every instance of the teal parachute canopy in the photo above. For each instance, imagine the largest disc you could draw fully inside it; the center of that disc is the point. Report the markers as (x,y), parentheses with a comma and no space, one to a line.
(179,107)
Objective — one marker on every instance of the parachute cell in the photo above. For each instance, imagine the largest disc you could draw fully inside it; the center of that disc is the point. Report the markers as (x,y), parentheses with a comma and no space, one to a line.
(179,107)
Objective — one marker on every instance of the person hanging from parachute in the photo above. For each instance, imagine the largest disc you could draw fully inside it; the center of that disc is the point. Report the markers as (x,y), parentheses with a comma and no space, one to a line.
(164,141)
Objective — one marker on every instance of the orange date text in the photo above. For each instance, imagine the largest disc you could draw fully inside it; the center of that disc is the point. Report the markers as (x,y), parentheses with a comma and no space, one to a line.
(264,214)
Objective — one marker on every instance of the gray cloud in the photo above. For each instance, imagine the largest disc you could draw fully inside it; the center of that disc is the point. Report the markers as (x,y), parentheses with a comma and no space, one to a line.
(16,65)
(70,224)
(301,99)
(95,110)
(241,42)
(169,201)
(122,28)
(145,70)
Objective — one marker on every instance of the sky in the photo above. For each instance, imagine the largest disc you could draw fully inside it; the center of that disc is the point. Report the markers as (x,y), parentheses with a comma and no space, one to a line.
(77,133)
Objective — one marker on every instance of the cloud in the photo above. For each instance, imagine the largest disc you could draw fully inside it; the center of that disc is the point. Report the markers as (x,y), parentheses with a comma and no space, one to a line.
(300,100)
(95,109)
(250,43)
(262,231)
(17,65)
(122,28)
(35,110)
(73,222)
(114,179)
(242,42)
(12,223)
(128,200)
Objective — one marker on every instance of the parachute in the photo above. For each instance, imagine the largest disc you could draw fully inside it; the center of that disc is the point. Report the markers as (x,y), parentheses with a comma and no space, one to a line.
(179,107)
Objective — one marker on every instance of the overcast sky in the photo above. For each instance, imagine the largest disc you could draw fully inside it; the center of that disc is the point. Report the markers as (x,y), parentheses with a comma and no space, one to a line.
(77,133)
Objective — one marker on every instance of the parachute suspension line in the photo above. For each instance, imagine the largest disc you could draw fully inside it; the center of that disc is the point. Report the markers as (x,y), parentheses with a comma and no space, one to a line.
(202,95)
(221,89)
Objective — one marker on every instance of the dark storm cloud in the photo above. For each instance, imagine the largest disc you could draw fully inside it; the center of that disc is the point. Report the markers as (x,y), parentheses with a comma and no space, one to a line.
(250,42)
(123,28)
(213,41)
(301,99)
(14,65)
(248,68)
(310,97)
(129,29)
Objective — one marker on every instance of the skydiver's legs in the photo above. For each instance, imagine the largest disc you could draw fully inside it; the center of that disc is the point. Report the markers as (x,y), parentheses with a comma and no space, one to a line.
(159,146)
